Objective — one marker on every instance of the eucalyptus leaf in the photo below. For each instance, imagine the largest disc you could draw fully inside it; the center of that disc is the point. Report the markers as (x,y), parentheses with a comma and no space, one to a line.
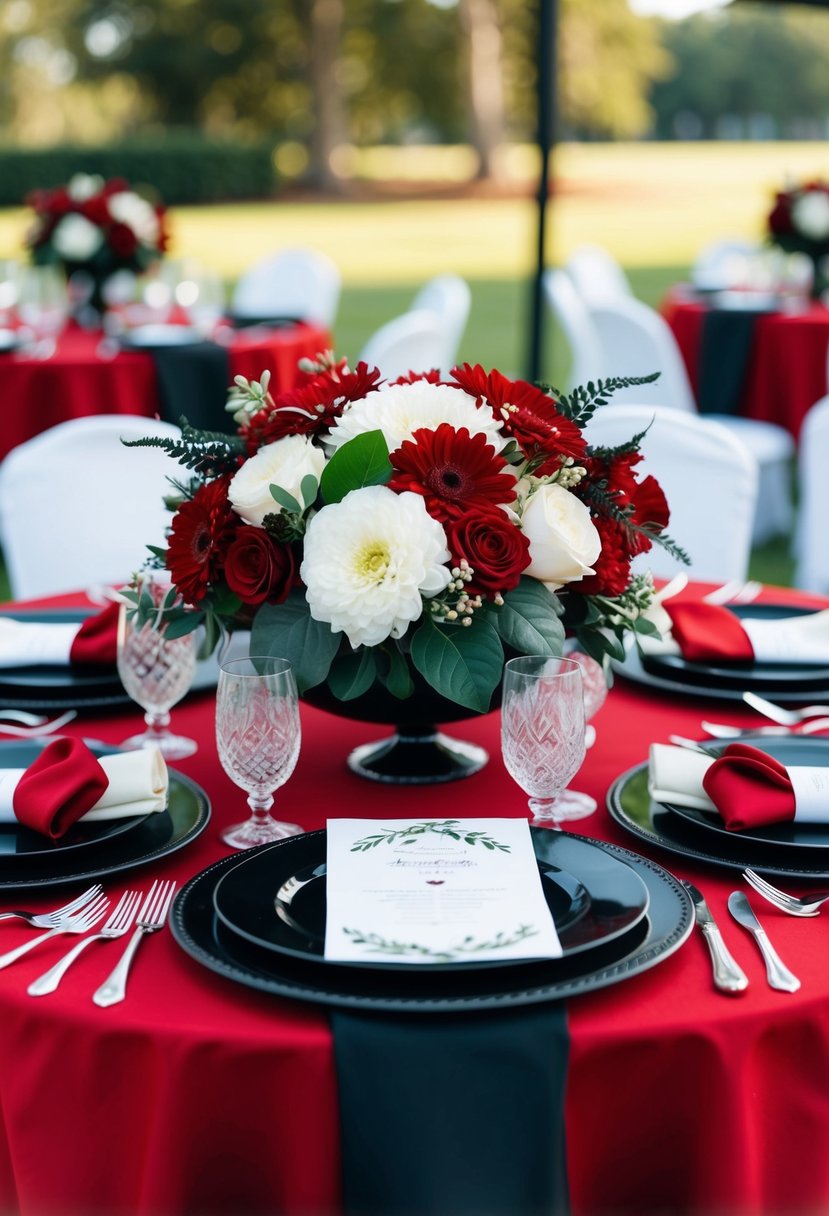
(285,500)
(529,620)
(362,461)
(308,488)
(462,664)
(289,631)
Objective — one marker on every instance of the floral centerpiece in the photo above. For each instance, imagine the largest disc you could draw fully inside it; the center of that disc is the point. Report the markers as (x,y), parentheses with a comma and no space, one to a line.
(799,223)
(397,540)
(96,227)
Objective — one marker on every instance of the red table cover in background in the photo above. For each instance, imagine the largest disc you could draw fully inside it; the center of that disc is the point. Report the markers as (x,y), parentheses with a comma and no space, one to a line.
(787,367)
(198,1096)
(76,381)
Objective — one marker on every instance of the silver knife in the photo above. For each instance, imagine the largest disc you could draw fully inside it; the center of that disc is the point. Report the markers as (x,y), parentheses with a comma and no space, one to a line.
(728,976)
(777,972)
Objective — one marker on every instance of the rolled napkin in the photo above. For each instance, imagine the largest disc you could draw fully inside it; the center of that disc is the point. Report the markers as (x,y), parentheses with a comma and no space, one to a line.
(67,783)
(50,643)
(746,787)
(704,633)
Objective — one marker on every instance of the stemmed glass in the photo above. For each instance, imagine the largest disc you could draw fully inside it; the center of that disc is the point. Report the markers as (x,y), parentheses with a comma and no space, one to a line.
(542,732)
(258,737)
(43,306)
(594,686)
(156,671)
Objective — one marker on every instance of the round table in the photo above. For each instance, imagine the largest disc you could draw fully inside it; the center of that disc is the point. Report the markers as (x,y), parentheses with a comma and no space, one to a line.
(785,369)
(79,380)
(197,1095)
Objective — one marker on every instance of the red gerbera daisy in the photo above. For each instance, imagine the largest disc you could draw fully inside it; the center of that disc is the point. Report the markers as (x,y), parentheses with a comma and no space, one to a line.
(612,567)
(527,413)
(431,377)
(202,530)
(453,470)
(312,407)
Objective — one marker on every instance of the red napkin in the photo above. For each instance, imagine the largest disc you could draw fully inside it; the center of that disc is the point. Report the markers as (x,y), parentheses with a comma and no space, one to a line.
(97,639)
(749,788)
(706,632)
(63,783)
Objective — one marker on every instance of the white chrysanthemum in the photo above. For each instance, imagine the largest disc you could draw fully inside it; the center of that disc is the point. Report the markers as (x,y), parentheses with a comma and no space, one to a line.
(400,409)
(810,215)
(83,186)
(131,209)
(76,239)
(368,561)
(284,464)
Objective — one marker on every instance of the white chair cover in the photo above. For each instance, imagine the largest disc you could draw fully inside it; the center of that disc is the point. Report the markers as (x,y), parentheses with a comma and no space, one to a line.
(596,274)
(79,508)
(571,315)
(413,342)
(710,480)
(449,297)
(300,283)
(812,532)
(636,340)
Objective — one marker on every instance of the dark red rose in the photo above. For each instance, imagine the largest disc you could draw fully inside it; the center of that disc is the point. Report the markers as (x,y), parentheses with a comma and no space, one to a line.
(122,240)
(493,546)
(95,210)
(202,530)
(780,220)
(258,568)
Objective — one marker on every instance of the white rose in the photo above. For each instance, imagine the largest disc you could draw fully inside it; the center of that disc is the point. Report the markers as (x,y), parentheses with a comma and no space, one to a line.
(84,186)
(283,464)
(810,215)
(75,239)
(564,541)
(131,209)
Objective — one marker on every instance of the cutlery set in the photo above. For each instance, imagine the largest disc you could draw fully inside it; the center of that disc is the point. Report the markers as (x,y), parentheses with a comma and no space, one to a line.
(83,914)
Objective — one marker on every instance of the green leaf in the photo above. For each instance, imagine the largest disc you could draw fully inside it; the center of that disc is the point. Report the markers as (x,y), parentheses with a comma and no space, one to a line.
(363,461)
(308,488)
(529,620)
(353,674)
(179,626)
(289,631)
(462,664)
(285,500)
(398,679)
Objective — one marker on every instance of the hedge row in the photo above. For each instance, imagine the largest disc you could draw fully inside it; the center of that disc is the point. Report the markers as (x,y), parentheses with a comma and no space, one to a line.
(178,168)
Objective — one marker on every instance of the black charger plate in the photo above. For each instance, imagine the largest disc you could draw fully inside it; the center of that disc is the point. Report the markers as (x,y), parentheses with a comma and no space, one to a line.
(55,686)
(667,924)
(275,898)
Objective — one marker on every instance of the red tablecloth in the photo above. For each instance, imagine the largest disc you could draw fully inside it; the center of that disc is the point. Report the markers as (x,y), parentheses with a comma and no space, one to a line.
(76,381)
(199,1096)
(787,367)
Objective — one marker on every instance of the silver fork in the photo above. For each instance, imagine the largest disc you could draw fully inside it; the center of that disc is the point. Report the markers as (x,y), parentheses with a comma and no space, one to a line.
(777,713)
(795,905)
(119,922)
(736,591)
(151,918)
(76,922)
(48,920)
(36,732)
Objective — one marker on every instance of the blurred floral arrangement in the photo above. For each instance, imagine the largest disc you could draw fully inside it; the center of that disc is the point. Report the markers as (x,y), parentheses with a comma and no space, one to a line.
(799,223)
(97,226)
(368,530)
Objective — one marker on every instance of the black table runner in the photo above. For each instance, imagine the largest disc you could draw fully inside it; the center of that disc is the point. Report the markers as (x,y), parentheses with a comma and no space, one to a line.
(724,352)
(193,383)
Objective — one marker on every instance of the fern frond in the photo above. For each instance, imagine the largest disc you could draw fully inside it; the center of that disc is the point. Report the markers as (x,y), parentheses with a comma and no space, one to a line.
(606,505)
(208,453)
(620,449)
(582,402)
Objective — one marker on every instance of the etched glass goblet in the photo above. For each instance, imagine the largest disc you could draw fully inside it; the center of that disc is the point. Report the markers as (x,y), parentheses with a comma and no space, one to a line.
(594,687)
(542,733)
(156,671)
(258,738)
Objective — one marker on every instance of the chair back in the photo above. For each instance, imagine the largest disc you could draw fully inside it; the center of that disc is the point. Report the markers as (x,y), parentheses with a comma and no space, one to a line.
(449,298)
(413,342)
(573,320)
(636,340)
(596,274)
(77,507)
(811,541)
(299,283)
(710,481)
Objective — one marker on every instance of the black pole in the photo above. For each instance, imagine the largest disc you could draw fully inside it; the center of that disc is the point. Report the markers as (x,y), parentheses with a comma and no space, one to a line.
(546,122)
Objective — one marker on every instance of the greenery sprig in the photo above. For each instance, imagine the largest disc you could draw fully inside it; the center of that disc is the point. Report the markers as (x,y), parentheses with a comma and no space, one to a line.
(581,404)
(438,827)
(375,943)
(208,453)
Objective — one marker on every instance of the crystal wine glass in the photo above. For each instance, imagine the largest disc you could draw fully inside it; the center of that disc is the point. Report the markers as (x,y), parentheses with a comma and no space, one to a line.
(542,732)
(258,737)
(594,685)
(156,671)
(43,307)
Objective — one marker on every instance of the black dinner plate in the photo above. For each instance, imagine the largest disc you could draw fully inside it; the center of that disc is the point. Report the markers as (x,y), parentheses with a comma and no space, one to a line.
(707,682)
(276,899)
(803,856)
(19,841)
(56,686)
(263,321)
(667,924)
(154,836)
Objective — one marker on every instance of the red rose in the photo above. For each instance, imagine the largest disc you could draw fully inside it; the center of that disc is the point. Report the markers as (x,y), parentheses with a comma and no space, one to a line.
(780,220)
(95,210)
(122,240)
(258,568)
(495,548)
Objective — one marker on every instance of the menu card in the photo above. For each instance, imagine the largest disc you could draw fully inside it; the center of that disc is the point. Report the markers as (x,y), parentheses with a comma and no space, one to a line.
(435,891)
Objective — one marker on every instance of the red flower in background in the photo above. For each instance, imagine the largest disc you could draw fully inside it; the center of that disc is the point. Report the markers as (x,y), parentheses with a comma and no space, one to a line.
(202,531)
(453,470)
(496,550)
(258,568)
(122,240)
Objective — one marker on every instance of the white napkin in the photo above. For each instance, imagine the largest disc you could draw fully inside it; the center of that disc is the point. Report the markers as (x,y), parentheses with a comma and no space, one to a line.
(35,643)
(790,639)
(675,775)
(138,785)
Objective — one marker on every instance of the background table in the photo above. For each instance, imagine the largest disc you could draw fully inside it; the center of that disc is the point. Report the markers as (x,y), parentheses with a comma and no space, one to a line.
(39,393)
(786,371)
(197,1096)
